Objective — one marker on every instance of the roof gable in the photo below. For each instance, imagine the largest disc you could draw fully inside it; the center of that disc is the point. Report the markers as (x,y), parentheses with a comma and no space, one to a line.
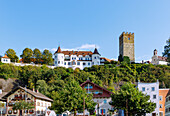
(35,94)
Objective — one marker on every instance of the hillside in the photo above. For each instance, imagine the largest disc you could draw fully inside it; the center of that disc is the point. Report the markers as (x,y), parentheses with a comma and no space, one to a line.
(106,75)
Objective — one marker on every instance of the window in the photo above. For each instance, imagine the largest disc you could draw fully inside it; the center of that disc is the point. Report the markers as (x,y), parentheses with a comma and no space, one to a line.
(94,57)
(78,63)
(64,63)
(129,38)
(166,110)
(160,98)
(105,101)
(38,103)
(102,111)
(88,63)
(74,63)
(55,56)
(38,112)
(169,98)
(153,88)
(154,96)
(143,88)
(96,92)
(160,105)
(41,103)
(84,63)
(166,99)
(58,62)
(90,87)
(69,63)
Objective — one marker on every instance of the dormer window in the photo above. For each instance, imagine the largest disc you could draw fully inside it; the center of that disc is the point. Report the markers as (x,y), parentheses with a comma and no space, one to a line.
(94,57)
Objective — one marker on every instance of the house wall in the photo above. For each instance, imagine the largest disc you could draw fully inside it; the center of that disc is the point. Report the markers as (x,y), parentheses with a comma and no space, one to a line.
(162,96)
(12,99)
(167,106)
(5,60)
(102,105)
(148,91)
(41,106)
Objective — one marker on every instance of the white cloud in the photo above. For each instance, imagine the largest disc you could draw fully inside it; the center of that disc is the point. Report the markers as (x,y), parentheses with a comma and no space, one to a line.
(82,47)
(88,46)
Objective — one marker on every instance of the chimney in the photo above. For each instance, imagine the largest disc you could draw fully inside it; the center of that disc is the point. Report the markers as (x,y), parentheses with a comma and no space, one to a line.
(37,91)
(33,90)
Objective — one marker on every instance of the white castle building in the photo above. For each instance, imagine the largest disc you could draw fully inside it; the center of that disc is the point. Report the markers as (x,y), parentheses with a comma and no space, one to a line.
(158,60)
(77,59)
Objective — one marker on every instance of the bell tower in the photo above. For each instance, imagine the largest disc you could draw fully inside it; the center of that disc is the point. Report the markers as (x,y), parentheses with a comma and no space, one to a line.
(126,45)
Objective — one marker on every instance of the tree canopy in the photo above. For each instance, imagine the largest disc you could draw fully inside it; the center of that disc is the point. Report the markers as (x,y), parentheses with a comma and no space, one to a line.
(26,55)
(12,55)
(167,50)
(132,101)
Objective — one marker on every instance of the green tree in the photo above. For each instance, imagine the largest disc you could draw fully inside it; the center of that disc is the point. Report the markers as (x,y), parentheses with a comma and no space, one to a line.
(42,87)
(126,59)
(12,55)
(71,98)
(167,50)
(47,57)
(2,105)
(120,58)
(132,101)
(22,105)
(26,55)
(37,55)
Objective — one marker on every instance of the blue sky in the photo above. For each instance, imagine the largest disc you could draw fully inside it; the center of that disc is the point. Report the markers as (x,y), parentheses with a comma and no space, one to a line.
(82,24)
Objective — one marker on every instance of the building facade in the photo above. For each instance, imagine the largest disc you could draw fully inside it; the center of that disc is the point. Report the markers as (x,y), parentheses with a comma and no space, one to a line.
(126,45)
(100,95)
(162,98)
(167,105)
(151,89)
(77,59)
(158,60)
(40,102)
(5,59)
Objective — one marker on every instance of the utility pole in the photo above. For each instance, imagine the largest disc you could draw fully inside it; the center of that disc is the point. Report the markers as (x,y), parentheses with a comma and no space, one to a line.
(83,106)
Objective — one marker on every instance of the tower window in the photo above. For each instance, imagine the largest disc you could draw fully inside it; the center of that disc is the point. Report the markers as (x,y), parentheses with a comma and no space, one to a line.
(129,38)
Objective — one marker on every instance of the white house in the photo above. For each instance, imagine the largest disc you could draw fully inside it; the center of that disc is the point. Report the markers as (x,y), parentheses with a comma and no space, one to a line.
(77,59)
(158,60)
(5,59)
(151,89)
(40,101)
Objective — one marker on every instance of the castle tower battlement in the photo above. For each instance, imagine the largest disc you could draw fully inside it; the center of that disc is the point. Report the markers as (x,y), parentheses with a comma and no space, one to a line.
(126,45)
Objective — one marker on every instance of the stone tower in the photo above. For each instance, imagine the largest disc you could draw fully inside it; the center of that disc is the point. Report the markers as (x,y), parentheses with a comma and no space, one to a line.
(126,45)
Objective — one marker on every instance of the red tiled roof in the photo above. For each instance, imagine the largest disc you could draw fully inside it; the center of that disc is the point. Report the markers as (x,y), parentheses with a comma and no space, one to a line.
(83,53)
(162,58)
(106,59)
(5,56)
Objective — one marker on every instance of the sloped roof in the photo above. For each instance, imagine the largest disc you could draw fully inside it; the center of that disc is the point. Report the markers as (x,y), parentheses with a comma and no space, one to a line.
(168,94)
(58,50)
(106,59)
(5,56)
(95,95)
(162,58)
(96,51)
(35,94)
